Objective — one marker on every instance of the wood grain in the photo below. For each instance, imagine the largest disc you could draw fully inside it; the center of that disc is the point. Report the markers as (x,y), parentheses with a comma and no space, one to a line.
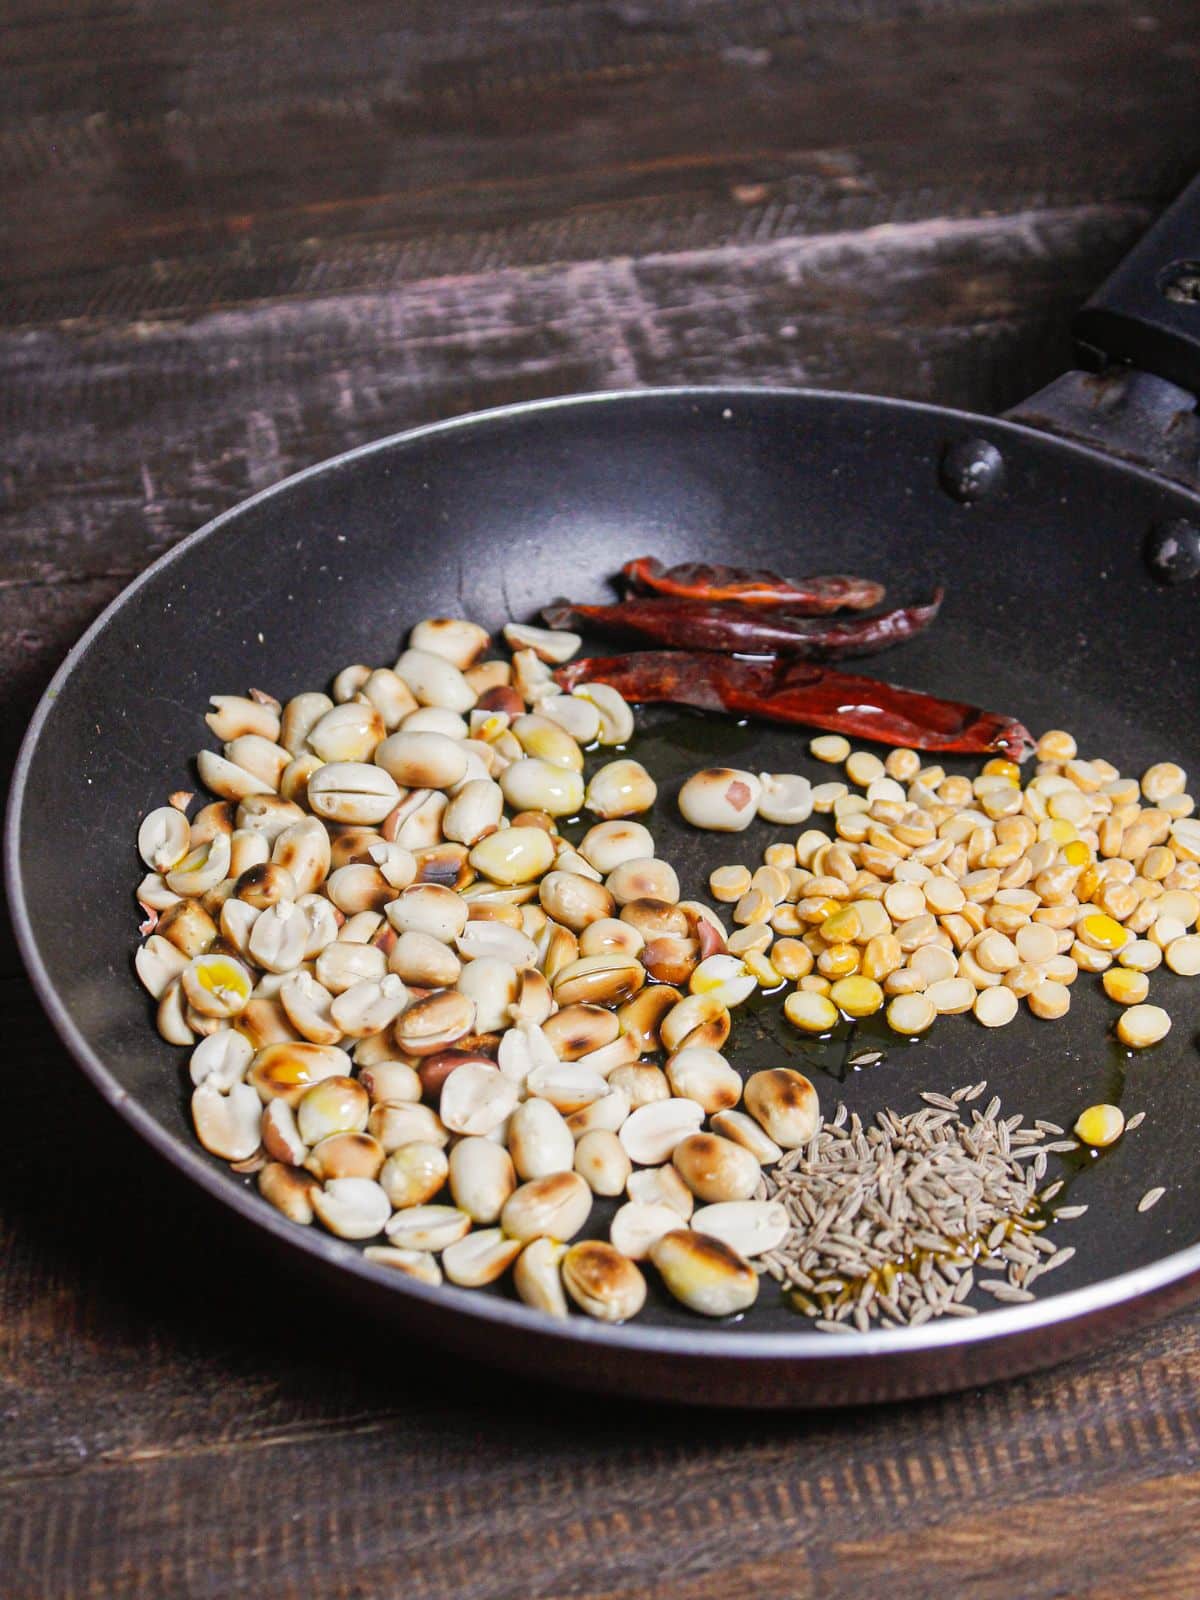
(587,146)
(238,239)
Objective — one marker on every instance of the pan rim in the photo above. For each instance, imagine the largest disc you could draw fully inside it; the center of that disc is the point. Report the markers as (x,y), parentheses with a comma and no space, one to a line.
(717,1344)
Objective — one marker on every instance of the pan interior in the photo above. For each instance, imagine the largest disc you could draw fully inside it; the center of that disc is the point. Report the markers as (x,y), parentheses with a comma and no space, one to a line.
(1050,615)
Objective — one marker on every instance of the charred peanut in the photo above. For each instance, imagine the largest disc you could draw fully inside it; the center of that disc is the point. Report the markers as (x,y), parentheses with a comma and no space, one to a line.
(335,1105)
(644,878)
(616,719)
(286,1070)
(545,740)
(222,1058)
(577,1030)
(352,791)
(539,1140)
(577,717)
(421,760)
(303,850)
(474,812)
(289,1190)
(434,1022)
(641,1082)
(266,884)
(548,644)
(602,1161)
(651,1132)
(513,855)
(351,1208)
(158,963)
(435,719)
(455,638)
(744,1130)
(435,680)
(227,1125)
(164,838)
(574,901)
(346,1155)
(537,1277)
(476,1099)
(602,1281)
(716,1169)
(480,1258)
(785,798)
(281,1139)
(607,1113)
(428,908)
(704,1274)
(705,1076)
(784,1103)
(414,1173)
(607,844)
(533,785)
(749,1227)
(418,1264)
(620,789)
(569,1086)
(700,1019)
(556,1206)
(722,799)
(396,1124)
(387,1082)
(661,1186)
(598,980)
(638,1225)
(481,1178)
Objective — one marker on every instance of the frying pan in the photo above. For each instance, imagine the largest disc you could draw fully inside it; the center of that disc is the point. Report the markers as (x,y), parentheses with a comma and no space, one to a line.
(1068,537)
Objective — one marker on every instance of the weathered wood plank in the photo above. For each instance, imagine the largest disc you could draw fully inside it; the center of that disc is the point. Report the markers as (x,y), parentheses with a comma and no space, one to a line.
(854,123)
(140,60)
(120,440)
(593,1501)
(205,1414)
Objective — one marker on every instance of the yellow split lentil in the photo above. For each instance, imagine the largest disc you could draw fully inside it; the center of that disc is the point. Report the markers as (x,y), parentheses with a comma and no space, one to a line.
(1100,1125)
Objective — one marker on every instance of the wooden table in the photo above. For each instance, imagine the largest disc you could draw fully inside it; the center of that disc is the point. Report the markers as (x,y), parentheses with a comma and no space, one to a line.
(237,239)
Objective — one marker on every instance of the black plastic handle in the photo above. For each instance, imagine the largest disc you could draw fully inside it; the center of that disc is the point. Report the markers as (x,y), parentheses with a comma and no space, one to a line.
(1148,312)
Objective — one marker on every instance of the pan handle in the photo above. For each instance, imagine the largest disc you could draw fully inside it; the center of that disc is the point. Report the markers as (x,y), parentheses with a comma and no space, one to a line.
(1147,313)
(1140,337)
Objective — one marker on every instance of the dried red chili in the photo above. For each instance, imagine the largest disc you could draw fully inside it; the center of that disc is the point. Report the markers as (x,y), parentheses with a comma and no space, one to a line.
(753,586)
(799,692)
(752,631)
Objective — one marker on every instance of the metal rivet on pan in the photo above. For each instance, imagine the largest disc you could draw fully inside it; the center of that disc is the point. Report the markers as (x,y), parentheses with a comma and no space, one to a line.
(1173,550)
(1180,281)
(971,470)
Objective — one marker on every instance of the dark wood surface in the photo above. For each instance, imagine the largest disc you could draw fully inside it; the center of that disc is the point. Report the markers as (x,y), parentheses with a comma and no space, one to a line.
(237,238)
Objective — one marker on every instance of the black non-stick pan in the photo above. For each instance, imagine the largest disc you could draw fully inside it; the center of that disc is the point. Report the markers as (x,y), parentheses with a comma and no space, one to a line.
(1068,539)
